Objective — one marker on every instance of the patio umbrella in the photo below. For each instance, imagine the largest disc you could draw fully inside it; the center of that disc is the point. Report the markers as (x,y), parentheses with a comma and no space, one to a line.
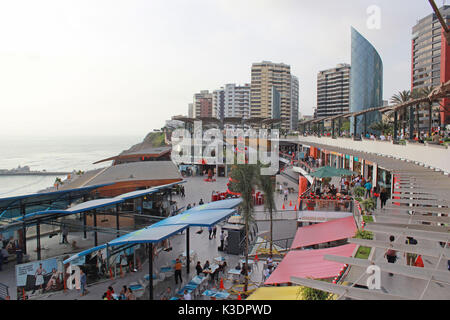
(345,172)
(326,172)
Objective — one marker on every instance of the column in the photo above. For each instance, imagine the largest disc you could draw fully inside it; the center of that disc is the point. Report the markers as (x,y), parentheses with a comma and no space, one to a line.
(395,126)
(38,239)
(117,220)
(95,227)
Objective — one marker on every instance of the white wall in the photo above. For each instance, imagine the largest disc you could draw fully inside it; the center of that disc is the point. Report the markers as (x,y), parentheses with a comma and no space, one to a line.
(432,156)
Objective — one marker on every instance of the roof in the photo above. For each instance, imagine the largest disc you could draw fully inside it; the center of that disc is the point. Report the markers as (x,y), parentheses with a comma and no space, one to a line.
(141,193)
(168,227)
(309,264)
(325,232)
(147,152)
(277,293)
(135,171)
(10,207)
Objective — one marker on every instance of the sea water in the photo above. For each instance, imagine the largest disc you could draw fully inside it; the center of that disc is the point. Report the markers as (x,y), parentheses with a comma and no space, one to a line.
(58,154)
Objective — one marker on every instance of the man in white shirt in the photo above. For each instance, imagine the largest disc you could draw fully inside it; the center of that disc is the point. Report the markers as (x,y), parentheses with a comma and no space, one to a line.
(187,295)
(382,137)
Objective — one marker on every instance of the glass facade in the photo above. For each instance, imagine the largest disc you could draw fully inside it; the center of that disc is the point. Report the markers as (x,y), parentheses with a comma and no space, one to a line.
(366,82)
(276,104)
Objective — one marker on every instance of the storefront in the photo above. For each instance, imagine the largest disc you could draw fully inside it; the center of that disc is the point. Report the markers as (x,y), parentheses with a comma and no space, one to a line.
(357,165)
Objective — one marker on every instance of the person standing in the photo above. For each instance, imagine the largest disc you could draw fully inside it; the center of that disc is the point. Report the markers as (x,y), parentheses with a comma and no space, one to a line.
(200,202)
(131,296)
(222,239)
(83,282)
(383,197)
(210,230)
(214,232)
(391,254)
(178,267)
(198,268)
(286,193)
(65,233)
(166,295)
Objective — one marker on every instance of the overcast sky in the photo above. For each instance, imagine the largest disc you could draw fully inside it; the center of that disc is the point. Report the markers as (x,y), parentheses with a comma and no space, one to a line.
(124,67)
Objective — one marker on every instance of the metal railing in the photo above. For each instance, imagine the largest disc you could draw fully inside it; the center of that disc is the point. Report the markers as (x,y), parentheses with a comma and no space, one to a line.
(326,205)
(4,292)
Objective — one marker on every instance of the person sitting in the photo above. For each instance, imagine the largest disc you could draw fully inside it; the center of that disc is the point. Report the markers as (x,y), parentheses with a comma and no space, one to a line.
(206,266)
(198,268)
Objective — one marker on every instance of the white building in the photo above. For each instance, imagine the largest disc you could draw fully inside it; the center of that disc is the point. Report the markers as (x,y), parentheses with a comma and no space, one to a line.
(232,101)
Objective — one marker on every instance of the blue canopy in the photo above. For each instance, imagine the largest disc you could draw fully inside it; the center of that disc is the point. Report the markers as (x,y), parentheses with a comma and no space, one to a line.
(223,204)
(141,193)
(195,217)
(82,207)
(148,235)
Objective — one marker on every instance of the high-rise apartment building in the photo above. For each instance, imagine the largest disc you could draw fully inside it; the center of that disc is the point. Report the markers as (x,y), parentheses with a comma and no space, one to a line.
(333,91)
(294,103)
(266,75)
(190,110)
(232,101)
(431,61)
(203,104)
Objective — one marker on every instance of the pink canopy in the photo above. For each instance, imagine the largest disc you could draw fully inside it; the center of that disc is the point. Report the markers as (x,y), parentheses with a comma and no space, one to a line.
(324,232)
(310,264)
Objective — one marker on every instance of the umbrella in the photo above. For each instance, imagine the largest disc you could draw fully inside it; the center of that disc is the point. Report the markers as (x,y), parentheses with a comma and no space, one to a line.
(326,172)
(345,172)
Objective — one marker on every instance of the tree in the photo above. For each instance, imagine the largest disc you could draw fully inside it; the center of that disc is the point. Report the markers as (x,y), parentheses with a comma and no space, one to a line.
(313,294)
(399,98)
(244,178)
(266,185)
(383,126)
(425,92)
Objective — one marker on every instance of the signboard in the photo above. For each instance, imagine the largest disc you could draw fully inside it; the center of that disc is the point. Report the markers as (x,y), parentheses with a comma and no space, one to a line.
(37,277)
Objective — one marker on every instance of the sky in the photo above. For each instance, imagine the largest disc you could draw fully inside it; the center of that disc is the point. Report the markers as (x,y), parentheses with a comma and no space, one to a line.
(124,67)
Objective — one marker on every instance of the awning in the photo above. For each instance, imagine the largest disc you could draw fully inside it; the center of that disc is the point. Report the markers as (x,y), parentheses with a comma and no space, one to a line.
(222,204)
(325,232)
(198,218)
(148,235)
(141,193)
(82,207)
(310,264)
(277,293)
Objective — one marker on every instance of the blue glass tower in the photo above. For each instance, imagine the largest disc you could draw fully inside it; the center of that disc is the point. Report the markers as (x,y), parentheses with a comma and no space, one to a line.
(366,82)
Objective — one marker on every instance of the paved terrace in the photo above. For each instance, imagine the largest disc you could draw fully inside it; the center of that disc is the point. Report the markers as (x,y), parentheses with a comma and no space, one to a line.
(424,197)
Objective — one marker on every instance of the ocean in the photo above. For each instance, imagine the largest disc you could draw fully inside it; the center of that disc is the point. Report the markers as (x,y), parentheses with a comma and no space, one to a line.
(54,154)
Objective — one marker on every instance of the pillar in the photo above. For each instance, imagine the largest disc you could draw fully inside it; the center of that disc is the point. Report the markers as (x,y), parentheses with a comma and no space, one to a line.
(117,220)
(38,239)
(95,227)
(150,270)
(24,228)
(187,253)
(355,124)
(411,123)
(395,125)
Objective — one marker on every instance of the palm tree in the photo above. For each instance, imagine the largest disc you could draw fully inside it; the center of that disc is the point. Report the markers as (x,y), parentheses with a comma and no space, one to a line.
(399,98)
(383,126)
(266,184)
(244,178)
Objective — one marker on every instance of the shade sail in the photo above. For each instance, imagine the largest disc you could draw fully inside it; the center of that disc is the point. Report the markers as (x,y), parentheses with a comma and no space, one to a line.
(82,207)
(84,253)
(198,218)
(277,293)
(324,232)
(223,204)
(310,264)
(148,235)
(325,172)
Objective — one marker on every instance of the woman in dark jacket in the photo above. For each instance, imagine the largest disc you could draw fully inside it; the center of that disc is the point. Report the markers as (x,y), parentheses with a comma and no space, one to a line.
(383,197)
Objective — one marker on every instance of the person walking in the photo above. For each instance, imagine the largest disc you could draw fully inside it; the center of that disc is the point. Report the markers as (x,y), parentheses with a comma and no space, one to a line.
(368,187)
(286,193)
(210,230)
(214,232)
(178,267)
(383,197)
(391,254)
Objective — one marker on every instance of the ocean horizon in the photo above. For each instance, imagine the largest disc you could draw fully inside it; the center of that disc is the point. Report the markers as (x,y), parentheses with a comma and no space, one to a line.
(59,154)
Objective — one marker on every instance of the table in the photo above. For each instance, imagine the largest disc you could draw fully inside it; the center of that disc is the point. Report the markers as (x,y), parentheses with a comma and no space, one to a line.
(219,259)
(250,261)
(216,294)
(237,273)
(213,268)
(165,269)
